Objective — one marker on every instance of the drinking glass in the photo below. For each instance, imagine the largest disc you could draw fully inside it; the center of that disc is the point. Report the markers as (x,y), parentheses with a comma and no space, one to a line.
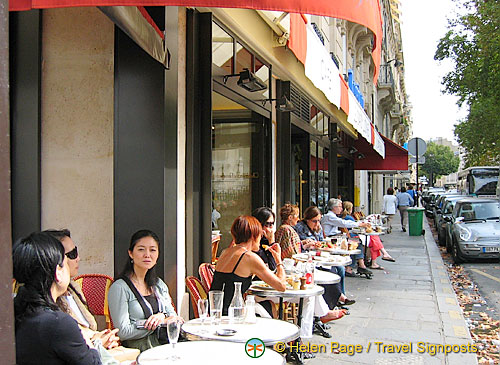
(215,298)
(173,329)
(203,311)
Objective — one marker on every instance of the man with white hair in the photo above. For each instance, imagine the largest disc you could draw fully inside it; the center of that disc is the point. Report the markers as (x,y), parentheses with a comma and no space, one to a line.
(331,222)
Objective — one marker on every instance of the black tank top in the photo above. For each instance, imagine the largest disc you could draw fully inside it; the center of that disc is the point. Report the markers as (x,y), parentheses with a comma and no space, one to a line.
(226,280)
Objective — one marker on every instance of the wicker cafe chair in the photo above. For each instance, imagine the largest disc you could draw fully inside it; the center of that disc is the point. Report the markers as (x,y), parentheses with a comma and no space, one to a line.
(196,292)
(206,272)
(95,288)
(215,247)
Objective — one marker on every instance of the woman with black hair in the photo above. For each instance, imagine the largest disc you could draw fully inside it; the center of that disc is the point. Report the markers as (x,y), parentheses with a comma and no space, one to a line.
(139,294)
(45,334)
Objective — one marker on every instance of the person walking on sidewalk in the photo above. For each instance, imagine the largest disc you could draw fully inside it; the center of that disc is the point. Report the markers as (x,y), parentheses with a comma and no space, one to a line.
(390,206)
(404,202)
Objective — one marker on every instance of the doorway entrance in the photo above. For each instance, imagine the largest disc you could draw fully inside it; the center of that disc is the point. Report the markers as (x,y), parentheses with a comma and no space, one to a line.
(240,164)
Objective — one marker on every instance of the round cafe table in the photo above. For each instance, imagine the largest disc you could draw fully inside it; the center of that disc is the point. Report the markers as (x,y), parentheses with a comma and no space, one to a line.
(324,261)
(323,277)
(207,353)
(270,331)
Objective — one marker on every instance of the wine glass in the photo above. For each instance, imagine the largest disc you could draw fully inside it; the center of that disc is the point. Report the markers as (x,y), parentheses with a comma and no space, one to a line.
(203,311)
(173,329)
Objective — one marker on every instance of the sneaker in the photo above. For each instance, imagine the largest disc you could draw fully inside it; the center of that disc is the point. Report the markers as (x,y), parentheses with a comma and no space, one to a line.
(363,270)
(350,274)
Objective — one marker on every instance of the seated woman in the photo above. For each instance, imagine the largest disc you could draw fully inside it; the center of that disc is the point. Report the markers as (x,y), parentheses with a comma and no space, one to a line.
(287,237)
(376,249)
(359,258)
(45,334)
(139,294)
(239,262)
(74,303)
(310,228)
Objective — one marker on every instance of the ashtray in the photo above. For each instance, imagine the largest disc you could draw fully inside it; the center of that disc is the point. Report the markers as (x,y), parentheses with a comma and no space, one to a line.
(225,332)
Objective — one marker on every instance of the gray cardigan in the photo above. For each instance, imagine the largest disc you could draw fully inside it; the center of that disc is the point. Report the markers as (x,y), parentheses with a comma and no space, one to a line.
(125,310)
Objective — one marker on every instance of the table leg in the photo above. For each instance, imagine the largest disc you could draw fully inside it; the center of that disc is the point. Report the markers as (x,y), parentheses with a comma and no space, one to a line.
(280,309)
(299,316)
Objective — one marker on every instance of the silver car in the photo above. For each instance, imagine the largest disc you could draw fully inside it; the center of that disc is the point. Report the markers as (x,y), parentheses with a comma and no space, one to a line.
(475,229)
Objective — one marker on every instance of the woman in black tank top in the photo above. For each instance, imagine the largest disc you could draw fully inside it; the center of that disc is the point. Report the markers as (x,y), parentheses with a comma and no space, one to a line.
(239,264)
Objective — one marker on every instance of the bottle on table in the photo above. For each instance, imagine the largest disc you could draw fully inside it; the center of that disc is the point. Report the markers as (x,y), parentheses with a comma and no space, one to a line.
(250,310)
(236,310)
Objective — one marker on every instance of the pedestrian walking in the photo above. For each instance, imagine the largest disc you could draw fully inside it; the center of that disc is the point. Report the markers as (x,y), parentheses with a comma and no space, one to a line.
(390,206)
(404,202)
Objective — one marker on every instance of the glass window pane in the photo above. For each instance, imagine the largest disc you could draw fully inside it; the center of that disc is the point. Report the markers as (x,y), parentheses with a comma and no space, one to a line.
(244,59)
(314,169)
(222,49)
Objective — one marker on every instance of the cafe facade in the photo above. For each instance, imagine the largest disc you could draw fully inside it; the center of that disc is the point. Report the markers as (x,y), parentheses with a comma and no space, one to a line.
(216,112)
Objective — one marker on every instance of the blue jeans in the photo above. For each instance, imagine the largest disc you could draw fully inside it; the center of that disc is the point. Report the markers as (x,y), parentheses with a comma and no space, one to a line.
(340,271)
(357,256)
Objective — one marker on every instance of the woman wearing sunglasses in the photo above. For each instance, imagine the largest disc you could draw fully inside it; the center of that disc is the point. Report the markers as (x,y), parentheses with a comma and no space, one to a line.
(74,302)
(45,334)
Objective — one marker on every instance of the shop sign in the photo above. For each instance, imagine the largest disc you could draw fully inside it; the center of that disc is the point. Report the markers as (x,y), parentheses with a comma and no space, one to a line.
(360,121)
(320,68)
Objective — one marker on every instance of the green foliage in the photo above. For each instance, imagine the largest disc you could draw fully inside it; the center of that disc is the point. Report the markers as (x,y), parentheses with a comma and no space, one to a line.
(473,44)
(439,161)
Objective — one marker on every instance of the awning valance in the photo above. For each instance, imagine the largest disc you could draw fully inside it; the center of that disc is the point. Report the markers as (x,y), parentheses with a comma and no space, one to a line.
(396,157)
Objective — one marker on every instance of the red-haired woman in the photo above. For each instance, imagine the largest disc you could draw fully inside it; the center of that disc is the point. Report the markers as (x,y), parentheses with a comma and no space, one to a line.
(238,263)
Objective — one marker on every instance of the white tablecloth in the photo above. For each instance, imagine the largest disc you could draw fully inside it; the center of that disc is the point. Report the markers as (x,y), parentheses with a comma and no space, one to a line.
(207,353)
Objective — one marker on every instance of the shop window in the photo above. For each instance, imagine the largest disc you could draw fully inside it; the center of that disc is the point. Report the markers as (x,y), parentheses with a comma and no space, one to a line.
(244,59)
(314,173)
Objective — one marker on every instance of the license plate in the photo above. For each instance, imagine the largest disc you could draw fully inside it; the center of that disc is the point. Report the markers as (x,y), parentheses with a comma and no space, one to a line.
(491,249)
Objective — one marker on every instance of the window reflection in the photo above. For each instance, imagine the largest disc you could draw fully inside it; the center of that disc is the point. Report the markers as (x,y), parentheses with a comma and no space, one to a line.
(222,49)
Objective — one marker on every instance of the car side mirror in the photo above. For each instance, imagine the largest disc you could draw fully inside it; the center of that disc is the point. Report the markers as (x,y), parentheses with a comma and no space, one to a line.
(459,219)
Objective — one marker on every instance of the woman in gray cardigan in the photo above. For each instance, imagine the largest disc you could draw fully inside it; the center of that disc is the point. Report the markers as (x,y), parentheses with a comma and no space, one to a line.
(124,307)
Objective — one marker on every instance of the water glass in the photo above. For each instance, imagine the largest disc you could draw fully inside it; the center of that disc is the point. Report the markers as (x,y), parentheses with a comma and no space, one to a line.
(202,310)
(215,298)
(173,329)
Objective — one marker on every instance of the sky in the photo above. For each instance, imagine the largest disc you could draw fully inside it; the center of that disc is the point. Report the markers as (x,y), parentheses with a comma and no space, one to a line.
(424,22)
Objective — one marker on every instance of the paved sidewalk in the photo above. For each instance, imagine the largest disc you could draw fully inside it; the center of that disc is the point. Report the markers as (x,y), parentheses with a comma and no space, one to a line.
(411,301)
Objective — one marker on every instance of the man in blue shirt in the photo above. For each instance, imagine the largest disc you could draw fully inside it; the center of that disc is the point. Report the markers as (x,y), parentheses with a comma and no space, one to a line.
(404,202)
(412,193)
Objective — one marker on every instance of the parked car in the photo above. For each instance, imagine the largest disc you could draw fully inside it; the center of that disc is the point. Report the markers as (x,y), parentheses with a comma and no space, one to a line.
(429,207)
(448,203)
(475,229)
(437,209)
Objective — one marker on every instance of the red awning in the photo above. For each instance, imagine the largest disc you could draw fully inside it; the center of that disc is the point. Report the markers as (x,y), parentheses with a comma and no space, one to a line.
(396,157)
(366,12)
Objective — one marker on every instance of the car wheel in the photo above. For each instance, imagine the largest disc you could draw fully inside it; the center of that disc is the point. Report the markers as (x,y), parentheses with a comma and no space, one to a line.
(455,253)
(448,245)
(440,238)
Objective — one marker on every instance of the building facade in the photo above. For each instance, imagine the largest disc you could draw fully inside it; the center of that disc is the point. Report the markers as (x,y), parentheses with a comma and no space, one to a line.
(106,140)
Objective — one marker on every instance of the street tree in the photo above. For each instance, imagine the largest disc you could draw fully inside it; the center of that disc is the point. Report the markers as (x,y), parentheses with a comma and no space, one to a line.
(439,160)
(472,43)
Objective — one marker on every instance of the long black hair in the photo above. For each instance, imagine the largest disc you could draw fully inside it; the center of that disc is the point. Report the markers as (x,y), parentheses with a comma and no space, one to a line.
(151,276)
(35,259)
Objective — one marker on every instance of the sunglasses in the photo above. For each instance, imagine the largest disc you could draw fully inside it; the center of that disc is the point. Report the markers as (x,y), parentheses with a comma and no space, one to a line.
(73,254)
(269,224)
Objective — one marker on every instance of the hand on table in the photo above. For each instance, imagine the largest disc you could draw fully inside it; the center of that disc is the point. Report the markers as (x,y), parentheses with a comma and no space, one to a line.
(108,338)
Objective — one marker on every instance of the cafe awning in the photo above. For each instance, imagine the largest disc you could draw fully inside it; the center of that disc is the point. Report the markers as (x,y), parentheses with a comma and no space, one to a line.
(366,158)
(366,12)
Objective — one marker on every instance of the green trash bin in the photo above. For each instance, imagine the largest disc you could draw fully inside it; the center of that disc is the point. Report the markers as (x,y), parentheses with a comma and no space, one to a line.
(416,221)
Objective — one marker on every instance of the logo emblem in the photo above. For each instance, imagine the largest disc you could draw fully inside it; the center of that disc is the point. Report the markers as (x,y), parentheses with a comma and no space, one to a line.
(255,348)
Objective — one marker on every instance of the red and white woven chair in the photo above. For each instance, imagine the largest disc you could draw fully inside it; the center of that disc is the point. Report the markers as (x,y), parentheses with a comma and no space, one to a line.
(196,291)
(206,272)
(95,288)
